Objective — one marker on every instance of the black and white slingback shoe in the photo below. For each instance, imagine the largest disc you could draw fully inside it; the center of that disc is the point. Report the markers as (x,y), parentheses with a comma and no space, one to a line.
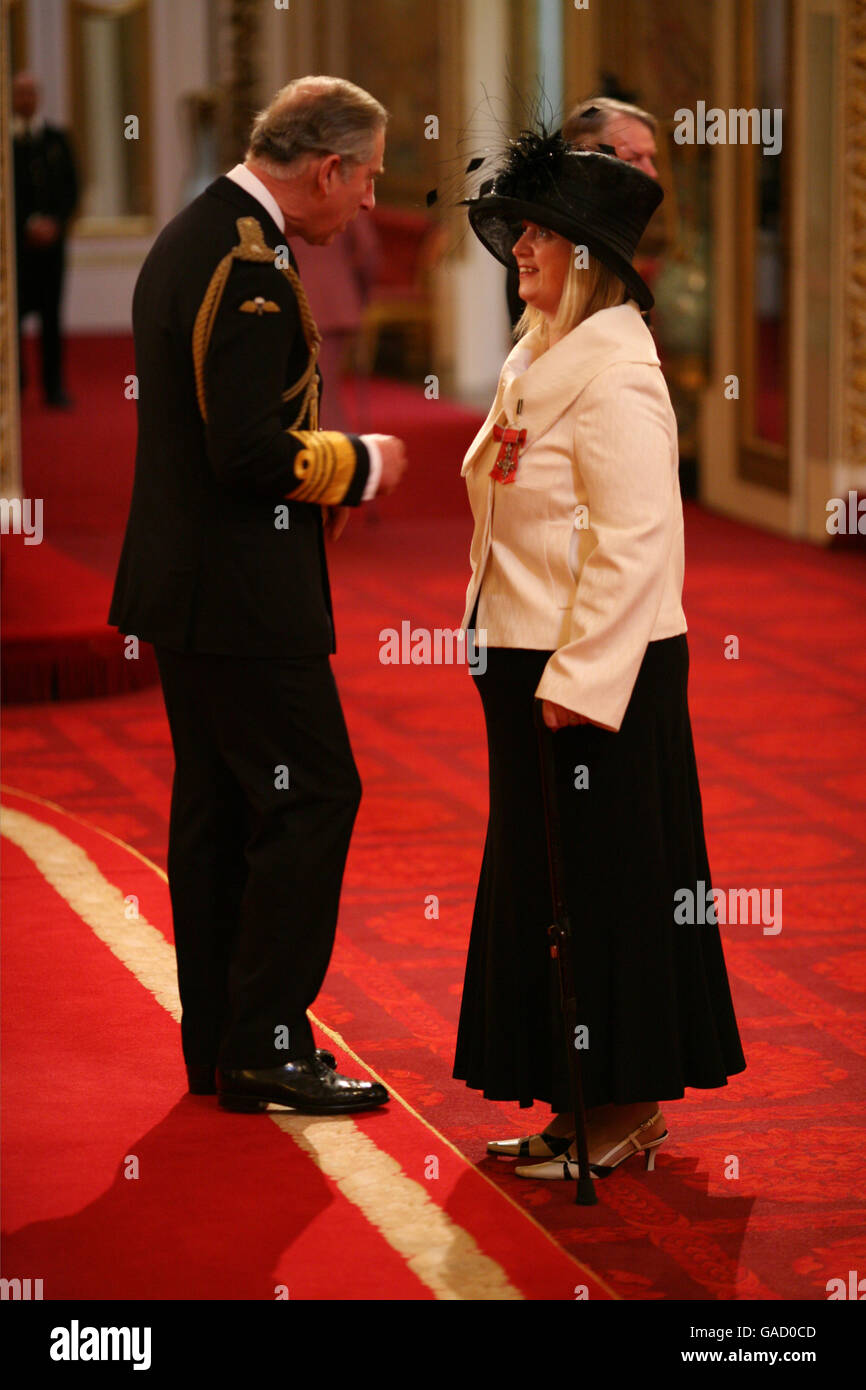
(567,1170)
(532,1146)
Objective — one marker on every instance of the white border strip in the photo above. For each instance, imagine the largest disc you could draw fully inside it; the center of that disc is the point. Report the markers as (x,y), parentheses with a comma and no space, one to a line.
(440,1253)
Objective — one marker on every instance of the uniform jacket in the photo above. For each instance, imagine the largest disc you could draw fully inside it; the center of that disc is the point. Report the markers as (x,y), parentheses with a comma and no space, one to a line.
(205,566)
(582,554)
(45,178)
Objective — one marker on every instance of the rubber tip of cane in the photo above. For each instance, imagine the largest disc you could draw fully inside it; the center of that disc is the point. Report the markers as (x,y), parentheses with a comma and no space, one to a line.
(586,1194)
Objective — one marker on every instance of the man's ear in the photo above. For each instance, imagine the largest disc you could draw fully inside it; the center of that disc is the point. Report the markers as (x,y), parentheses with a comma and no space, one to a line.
(328,172)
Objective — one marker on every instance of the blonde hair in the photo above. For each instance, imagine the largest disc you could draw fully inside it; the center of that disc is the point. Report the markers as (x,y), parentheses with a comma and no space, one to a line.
(584,292)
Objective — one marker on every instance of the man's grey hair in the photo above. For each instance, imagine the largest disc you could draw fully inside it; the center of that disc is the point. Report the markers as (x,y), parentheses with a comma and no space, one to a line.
(316,116)
(590,118)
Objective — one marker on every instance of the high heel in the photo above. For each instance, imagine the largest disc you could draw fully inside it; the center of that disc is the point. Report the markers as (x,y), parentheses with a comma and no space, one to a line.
(532,1146)
(567,1170)
(604,1169)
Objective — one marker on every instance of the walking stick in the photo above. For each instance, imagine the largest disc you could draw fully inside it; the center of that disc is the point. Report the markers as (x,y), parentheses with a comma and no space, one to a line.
(560,934)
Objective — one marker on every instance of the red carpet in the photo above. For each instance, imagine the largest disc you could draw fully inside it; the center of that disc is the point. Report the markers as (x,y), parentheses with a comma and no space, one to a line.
(229,1206)
(80,463)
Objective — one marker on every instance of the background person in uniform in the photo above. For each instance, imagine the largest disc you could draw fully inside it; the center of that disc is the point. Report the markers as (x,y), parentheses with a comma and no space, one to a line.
(46,192)
(223,568)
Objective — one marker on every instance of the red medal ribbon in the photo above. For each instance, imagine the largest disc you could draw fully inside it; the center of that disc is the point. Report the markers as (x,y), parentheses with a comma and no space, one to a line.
(505,467)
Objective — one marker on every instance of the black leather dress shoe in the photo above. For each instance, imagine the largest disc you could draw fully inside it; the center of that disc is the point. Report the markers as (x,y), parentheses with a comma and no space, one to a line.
(308,1085)
(202,1080)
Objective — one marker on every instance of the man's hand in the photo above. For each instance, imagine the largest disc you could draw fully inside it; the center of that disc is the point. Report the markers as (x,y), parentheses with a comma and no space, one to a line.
(394,461)
(558,717)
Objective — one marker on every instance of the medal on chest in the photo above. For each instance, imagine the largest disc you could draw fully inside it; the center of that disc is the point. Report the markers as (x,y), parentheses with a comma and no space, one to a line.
(511,438)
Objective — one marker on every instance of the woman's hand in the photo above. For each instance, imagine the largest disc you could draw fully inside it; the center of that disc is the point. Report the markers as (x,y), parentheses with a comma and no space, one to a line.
(558,717)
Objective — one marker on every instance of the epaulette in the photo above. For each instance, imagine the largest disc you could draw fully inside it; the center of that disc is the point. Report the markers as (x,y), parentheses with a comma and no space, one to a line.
(252,247)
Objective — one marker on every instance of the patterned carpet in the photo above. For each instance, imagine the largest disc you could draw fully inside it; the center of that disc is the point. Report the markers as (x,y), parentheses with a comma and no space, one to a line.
(759,1193)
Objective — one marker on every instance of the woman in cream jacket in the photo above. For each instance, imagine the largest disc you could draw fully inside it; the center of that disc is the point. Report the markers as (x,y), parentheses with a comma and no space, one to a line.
(576,594)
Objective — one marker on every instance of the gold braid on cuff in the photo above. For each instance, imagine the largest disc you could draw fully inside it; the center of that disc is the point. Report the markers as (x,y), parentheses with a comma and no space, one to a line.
(324,466)
(252,247)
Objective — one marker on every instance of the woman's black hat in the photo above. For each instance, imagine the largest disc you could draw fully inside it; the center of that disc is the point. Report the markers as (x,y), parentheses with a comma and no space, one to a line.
(594,200)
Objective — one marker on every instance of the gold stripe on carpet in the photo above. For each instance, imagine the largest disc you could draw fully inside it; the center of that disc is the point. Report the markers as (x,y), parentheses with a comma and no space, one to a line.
(440,1253)
(72,873)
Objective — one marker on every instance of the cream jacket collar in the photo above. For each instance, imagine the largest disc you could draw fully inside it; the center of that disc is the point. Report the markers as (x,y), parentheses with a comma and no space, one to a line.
(549,382)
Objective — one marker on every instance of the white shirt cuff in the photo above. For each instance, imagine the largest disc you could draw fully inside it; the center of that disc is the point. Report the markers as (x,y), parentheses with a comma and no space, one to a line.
(375,453)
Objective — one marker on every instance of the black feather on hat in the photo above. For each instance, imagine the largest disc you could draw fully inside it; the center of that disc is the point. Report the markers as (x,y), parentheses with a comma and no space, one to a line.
(593,200)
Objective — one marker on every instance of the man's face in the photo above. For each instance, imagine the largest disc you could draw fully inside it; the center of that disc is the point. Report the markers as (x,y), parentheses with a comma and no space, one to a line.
(344,199)
(633,142)
(25,96)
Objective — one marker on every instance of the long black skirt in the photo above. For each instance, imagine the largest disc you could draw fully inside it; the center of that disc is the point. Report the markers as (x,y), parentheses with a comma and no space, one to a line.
(652,994)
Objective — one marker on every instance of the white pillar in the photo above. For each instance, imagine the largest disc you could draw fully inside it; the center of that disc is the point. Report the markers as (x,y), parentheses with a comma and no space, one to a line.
(550,43)
(104,195)
(480,314)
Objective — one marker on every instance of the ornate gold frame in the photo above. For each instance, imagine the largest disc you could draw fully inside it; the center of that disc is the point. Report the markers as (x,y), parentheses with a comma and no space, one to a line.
(760,460)
(854,234)
(134,224)
(15,26)
(10,442)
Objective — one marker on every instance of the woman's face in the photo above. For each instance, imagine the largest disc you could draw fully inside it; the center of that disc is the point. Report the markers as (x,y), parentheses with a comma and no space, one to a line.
(542,259)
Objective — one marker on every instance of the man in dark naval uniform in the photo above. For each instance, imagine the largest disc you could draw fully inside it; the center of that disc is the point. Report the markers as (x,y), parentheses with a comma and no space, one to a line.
(223,569)
(46,192)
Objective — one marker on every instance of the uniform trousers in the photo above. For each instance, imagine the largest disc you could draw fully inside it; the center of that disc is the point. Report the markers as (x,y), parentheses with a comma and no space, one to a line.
(40,291)
(264,799)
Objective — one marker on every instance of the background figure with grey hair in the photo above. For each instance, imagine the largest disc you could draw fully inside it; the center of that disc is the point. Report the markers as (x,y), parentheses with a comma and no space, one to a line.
(614,127)
(224,570)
